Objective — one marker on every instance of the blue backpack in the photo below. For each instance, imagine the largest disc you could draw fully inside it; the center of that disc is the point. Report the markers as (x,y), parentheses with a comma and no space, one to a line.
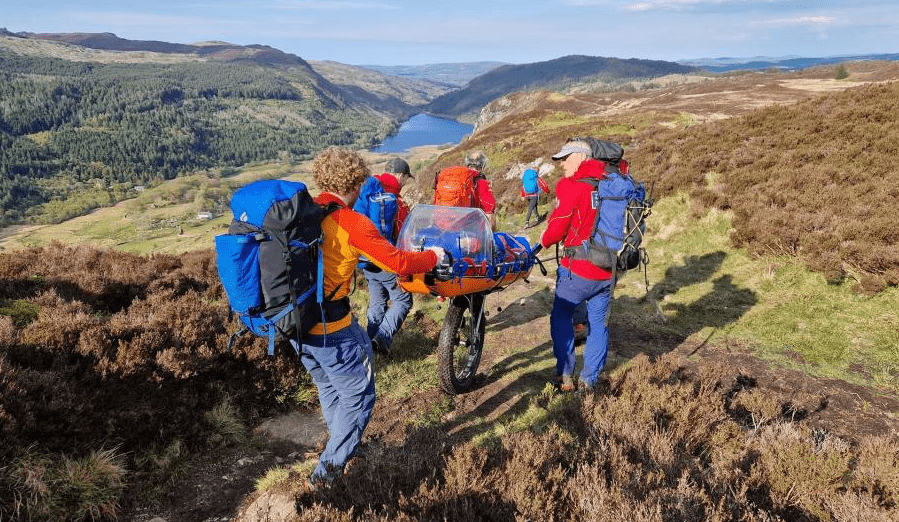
(380,206)
(621,210)
(269,262)
(529,182)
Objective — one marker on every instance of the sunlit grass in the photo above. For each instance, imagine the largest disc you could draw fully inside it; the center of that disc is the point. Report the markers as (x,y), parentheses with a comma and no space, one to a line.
(771,303)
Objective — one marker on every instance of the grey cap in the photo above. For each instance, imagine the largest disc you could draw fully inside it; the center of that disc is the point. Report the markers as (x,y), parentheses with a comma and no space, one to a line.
(476,160)
(573,147)
(398,166)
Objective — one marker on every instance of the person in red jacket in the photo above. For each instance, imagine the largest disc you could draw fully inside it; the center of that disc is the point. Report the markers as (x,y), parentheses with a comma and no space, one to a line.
(337,353)
(449,183)
(577,280)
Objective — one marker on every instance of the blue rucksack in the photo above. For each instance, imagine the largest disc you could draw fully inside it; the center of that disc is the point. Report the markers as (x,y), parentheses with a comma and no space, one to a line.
(269,262)
(380,206)
(529,182)
(621,210)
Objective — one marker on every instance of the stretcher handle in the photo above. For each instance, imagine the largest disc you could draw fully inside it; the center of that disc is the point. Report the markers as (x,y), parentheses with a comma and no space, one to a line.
(534,253)
(443,271)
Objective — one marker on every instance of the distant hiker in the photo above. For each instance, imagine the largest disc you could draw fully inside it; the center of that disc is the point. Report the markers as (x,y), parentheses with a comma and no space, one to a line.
(386,208)
(531,187)
(338,353)
(577,280)
(466,186)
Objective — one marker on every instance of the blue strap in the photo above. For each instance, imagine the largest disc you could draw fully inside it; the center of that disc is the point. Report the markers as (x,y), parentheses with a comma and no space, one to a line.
(320,277)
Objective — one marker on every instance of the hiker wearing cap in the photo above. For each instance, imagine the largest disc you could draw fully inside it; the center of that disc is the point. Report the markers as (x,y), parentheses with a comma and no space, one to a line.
(531,187)
(388,304)
(338,354)
(577,280)
(466,186)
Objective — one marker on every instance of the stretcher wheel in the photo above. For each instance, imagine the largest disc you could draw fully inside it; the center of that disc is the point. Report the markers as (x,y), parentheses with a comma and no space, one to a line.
(461,343)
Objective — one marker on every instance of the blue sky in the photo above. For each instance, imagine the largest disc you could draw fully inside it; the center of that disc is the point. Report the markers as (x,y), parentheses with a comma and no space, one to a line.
(395,32)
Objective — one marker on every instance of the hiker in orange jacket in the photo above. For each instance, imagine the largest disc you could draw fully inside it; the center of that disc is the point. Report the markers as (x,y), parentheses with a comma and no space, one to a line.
(337,353)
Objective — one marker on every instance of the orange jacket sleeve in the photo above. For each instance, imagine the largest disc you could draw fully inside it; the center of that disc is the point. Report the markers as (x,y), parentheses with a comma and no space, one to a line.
(364,238)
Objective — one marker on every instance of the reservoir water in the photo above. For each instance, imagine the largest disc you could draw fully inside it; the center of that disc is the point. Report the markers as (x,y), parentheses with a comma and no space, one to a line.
(423,129)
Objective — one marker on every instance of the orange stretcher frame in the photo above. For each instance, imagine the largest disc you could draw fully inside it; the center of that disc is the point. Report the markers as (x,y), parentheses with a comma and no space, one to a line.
(468,284)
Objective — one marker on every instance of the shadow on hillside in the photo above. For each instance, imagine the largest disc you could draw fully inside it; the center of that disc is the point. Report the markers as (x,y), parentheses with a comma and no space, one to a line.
(645,324)
(651,325)
(527,309)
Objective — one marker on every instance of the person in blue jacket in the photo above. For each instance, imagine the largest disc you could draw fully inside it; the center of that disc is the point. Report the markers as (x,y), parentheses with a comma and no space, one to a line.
(531,186)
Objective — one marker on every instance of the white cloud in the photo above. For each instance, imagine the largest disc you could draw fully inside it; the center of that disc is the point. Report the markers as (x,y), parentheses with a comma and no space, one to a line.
(800,20)
(671,4)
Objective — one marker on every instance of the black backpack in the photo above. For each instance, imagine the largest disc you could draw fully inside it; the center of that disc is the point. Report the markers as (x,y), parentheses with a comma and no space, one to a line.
(606,151)
(270,263)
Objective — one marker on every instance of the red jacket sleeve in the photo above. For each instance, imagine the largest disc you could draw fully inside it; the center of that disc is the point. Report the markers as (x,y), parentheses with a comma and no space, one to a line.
(484,195)
(402,212)
(559,221)
(543,186)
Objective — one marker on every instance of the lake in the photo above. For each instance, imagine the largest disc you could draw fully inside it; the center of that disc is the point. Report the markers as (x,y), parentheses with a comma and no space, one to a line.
(423,129)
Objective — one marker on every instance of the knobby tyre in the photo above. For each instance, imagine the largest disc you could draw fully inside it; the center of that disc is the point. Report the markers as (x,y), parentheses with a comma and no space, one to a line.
(461,343)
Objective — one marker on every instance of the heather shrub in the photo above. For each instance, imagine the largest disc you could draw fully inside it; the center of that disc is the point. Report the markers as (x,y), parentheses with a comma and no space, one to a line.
(812,180)
(20,311)
(106,346)
(656,441)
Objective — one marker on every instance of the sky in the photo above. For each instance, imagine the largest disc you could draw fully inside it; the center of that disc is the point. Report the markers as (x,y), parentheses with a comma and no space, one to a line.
(399,32)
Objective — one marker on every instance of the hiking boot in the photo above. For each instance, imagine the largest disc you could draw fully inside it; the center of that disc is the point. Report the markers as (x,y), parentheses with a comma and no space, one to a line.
(378,346)
(567,384)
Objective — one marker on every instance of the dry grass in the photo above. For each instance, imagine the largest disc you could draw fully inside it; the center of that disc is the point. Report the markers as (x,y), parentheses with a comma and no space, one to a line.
(656,442)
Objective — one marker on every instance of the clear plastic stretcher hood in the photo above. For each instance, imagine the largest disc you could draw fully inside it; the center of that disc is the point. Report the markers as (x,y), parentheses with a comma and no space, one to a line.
(477,260)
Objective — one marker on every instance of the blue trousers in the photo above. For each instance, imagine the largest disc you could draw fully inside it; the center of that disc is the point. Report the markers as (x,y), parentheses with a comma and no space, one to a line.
(571,290)
(383,320)
(341,365)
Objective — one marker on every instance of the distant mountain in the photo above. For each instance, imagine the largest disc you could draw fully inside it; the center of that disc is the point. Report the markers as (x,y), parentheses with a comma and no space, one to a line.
(372,85)
(512,78)
(455,74)
(727,64)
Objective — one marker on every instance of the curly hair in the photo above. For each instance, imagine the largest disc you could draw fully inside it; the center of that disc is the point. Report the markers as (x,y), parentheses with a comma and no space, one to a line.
(339,171)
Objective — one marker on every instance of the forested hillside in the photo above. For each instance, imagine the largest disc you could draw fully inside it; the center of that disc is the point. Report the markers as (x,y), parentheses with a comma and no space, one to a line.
(96,129)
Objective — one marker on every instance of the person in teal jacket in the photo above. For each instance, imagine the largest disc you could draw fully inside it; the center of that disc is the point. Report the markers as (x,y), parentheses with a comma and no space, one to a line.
(531,187)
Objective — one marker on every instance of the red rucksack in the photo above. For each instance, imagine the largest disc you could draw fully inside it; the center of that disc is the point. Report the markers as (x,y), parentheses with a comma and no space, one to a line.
(454,187)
